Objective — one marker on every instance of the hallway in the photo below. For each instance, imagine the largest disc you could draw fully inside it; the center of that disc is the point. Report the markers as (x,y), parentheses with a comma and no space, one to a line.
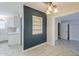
(62,48)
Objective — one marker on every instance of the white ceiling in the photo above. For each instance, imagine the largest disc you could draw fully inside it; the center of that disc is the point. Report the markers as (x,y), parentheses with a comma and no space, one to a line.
(10,8)
(37,5)
(62,6)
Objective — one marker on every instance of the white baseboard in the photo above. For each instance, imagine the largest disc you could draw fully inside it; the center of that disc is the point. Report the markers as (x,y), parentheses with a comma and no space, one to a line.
(35,47)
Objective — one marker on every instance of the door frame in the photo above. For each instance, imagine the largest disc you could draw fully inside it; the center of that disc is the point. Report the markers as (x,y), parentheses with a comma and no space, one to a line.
(58,30)
(68,33)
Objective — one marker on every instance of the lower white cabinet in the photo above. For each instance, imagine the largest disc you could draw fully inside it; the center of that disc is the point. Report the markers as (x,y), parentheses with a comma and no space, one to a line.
(14,39)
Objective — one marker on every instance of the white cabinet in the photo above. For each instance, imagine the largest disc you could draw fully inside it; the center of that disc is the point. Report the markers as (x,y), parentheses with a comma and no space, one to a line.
(10,22)
(13,38)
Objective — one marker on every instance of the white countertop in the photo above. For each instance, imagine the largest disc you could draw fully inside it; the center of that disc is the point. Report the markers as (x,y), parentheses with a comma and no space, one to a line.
(12,33)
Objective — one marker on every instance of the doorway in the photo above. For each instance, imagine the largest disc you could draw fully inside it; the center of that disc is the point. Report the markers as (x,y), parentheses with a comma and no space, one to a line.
(58,31)
(65,28)
(68,37)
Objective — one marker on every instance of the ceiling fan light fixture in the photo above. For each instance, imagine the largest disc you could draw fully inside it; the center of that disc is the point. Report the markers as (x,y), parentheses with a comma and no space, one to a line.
(50,8)
(55,10)
(48,12)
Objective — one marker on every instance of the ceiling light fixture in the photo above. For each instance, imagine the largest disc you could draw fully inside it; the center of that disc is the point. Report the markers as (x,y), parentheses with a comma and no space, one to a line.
(55,10)
(47,12)
(51,8)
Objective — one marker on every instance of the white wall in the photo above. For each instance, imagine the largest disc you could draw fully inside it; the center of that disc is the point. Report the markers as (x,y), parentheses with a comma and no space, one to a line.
(74,27)
(74,30)
(50,30)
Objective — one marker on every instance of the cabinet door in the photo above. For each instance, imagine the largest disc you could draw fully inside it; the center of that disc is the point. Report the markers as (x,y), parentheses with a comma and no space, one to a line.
(13,39)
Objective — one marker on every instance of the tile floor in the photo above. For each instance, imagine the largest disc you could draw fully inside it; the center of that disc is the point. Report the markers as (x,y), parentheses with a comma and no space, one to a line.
(7,50)
(62,48)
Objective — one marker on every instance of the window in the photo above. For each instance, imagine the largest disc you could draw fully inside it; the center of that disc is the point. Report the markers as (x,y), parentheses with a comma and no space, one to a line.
(37,25)
(3,21)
